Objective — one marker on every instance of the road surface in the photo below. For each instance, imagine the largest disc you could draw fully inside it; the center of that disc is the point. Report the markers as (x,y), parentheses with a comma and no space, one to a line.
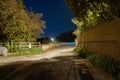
(60,51)
(57,64)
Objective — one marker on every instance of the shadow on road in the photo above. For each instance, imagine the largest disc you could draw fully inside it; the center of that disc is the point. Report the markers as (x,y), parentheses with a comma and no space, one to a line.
(45,69)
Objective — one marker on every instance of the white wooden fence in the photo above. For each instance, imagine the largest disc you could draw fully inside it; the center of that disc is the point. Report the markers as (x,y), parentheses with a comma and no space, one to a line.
(27,44)
(30,45)
(20,45)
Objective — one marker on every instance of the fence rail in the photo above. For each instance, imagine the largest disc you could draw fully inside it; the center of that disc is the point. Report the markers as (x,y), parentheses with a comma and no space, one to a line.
(28,44)
(2,44)
(22,44)
(19,45)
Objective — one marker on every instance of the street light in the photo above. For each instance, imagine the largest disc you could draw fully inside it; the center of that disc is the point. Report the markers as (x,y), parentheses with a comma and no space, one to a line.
(52,39)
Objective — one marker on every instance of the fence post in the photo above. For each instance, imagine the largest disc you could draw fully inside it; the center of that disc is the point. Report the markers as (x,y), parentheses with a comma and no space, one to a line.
(19,45)
(11,45)
(40,46)
(0,44)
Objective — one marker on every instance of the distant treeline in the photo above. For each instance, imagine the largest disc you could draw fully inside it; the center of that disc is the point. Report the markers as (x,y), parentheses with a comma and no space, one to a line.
(66,37)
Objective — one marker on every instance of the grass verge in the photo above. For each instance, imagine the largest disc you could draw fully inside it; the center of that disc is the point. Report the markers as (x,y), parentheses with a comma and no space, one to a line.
(27,51)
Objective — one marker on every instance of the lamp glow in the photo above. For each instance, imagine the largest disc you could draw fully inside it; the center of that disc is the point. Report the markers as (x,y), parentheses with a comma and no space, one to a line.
(52,39)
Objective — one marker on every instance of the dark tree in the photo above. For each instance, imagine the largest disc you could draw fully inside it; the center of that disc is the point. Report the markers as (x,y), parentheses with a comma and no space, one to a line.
(66,37)
(43,40)
(107,9)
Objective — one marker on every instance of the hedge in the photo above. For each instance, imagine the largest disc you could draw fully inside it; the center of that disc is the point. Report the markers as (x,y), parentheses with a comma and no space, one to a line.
(104,62)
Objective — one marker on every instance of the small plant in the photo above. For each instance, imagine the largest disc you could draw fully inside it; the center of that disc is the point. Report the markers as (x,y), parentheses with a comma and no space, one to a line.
(13,48)
(78,50)
(8,45)
(82,53)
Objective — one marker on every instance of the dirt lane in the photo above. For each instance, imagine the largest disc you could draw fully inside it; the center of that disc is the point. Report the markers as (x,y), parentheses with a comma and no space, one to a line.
(52,65)
(60,51)
(57,64)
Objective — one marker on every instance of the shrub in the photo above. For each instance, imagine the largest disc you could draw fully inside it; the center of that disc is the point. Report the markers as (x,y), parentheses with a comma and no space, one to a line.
(13,48)
(8,46)
(82,53)
(28,51)
(78,50)
(107,64)
(104,62)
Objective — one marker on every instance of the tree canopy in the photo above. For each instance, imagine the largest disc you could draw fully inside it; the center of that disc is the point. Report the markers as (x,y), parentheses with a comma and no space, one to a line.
(91,12)
(16,23)
(107,9)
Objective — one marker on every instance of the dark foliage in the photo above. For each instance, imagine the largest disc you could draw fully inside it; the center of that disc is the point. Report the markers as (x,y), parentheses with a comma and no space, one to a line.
(104,62)
(43,40)
(107,9)
(66,37)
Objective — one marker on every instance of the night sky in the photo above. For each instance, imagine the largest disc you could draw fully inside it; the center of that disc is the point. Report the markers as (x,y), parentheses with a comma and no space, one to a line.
(56,14)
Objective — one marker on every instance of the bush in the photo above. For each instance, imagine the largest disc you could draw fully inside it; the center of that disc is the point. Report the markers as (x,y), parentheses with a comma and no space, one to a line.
(28,51)
(107,64)
(13,48)
(78,50)
(82,53)
(104,62)
(8,46)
